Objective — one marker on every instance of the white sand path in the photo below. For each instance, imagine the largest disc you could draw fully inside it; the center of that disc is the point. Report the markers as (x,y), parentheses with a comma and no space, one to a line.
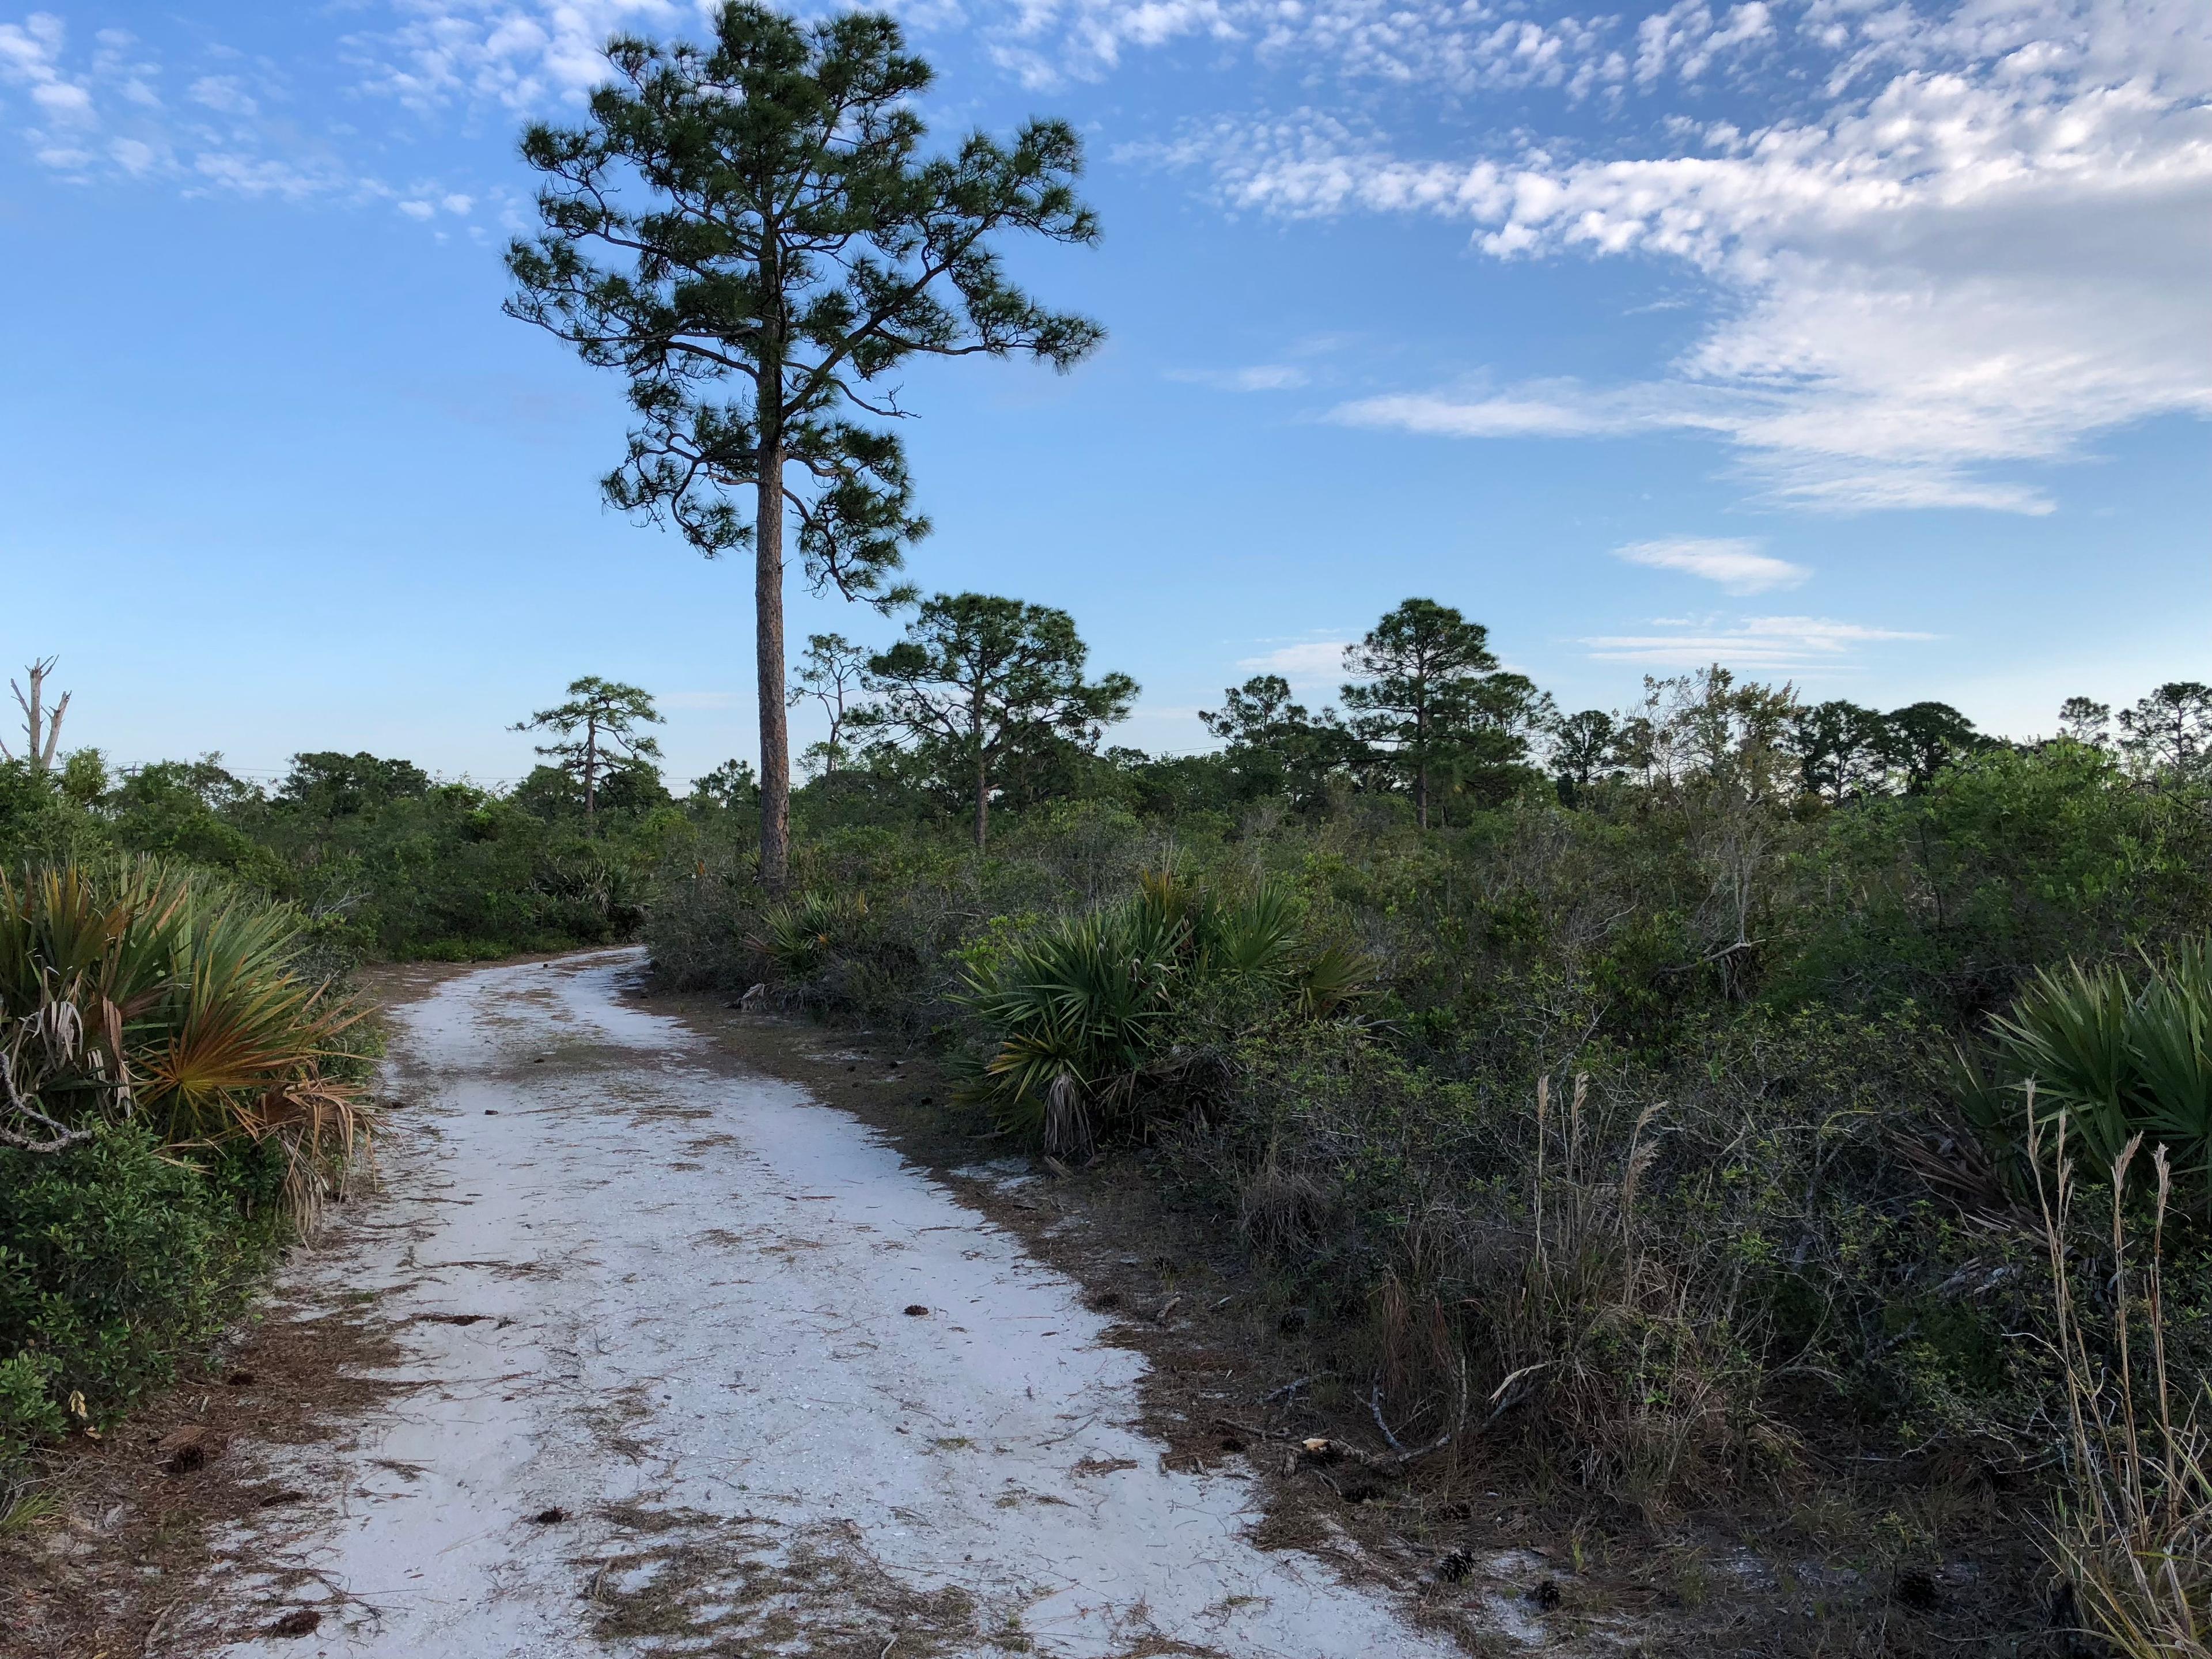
(688,1289)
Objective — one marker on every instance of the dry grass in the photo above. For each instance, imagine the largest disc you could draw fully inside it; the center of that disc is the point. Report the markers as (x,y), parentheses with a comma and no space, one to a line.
(1630,1352)
(2134,1529)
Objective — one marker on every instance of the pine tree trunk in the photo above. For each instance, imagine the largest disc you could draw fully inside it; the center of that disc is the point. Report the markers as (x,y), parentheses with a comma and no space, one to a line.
(591,778)
(775,729)
(1421,766)
(982,800)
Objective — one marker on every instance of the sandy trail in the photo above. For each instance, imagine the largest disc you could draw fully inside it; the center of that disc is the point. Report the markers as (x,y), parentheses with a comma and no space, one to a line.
(684,1294)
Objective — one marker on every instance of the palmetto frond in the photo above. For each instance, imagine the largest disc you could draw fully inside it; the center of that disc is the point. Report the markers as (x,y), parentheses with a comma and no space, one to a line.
(182,1006)
(1078,1012)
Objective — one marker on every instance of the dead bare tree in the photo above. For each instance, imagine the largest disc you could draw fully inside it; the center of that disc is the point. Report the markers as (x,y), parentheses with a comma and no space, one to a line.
(42,727)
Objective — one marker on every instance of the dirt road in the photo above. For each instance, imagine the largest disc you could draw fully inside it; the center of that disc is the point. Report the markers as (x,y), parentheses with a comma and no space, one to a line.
(696,1365)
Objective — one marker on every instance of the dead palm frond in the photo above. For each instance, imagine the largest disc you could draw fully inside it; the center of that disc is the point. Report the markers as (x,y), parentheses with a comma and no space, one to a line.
(136,991)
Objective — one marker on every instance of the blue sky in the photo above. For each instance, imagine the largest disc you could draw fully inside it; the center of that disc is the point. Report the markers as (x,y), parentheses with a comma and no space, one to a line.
(1860,346)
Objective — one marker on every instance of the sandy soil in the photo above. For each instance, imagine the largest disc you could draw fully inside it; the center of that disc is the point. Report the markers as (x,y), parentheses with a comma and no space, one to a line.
(684,1361)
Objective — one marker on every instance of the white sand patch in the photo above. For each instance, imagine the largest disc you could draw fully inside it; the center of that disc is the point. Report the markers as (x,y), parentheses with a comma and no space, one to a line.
(685,1297)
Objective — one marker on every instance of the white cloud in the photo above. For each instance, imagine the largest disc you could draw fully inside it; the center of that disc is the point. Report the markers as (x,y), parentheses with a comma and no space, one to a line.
(1531,413)
(417,209)
(1688,37)
(1305,662)
(1755,643)
(224,94)
(134,156)
(526,54)
(1463,44)
(30,57)
(250,174)
(63,98)
(109,122)
(522,54)
(1733,563)
(1982,242)
(1261,377)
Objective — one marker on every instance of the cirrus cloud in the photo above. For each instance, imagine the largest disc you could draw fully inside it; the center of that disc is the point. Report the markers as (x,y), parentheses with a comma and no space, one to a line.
(1764,643)
(1734,562)
(1302,662)
(1984,239)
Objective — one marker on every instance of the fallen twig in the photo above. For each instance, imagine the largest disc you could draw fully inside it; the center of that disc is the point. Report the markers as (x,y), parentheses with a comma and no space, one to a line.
(160,1619)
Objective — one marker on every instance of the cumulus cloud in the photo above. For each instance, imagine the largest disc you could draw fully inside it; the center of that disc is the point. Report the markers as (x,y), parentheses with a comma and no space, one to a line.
(522,54)
(1765,643)
(1735,563)
(245,172)
(1983,241)
(1537,411)
(134,156)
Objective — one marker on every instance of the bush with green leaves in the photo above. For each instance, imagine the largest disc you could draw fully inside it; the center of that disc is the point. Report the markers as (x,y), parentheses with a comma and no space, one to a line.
(1076,1019)
(116,1259)
(175,1098)
(2119,1053)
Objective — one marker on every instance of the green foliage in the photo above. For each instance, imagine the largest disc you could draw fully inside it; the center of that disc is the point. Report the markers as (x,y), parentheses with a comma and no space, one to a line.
(2118,1056)
(1076,1017)
(174,1097)
(831,673)
(137,993)
(792,226)
(799,938)
(29,1414)
(115,1258)
(777,244)
(983,686)
(2010,860)
(1431,702)
(2169,733)
(596,738)
(37,821)
(382,862)
(1763,982)
(1274,746)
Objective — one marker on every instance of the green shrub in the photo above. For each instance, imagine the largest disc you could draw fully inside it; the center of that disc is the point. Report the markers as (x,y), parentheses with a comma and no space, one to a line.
(114,1259)
(801,937)
(2120,1056)
(1075,1017)
(1815,1254)
(177,1098)
(30,1414)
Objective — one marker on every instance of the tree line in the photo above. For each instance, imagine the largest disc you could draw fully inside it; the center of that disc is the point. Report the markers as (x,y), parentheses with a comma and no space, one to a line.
(987,696)
(751,233)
